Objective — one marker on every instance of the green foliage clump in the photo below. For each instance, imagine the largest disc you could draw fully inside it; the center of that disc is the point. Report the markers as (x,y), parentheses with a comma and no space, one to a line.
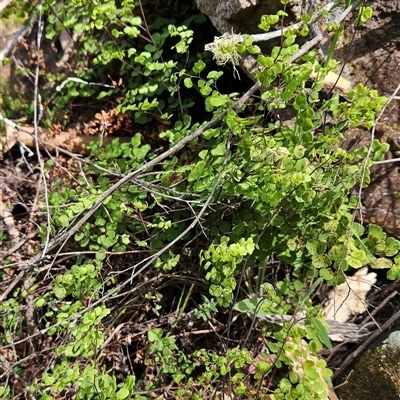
(133,53)
(222,261)
(146,51)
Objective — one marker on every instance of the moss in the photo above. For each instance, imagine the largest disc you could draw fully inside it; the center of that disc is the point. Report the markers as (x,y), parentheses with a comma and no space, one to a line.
(375,376)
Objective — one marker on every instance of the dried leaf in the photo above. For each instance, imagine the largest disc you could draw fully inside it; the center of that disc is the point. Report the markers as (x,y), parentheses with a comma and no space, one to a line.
(68,140)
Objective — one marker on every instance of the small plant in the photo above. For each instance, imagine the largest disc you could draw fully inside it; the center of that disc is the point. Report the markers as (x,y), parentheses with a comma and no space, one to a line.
(223,262)
(166,354)
(205,309)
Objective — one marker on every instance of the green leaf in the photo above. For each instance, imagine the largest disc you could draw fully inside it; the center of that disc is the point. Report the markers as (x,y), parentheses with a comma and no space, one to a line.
(318,386)
(40,302)
(364,14)
(79,236)
(59,292)
(298,152)
(394,271)
(353,262)
(307,124)
(155,334)
(198,67)
(382,263)
(263,367)
(219,150)
(99,24)
(123,393)
(197,171)
(129,382)
(322,332)
(266,62)
(101,255)
(131,31)
(292,244)
(392,247)
(358,229)
(214,75)
(320,261)
(315,247)
(247,305)
(216,100)
(376,231)
(104,241)
(63,220)
(205,90)
(326,274)
(188,83)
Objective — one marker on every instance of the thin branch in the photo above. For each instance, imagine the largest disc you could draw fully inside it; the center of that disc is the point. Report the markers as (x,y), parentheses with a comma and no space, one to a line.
(36,117)
(259,37)
(392,160)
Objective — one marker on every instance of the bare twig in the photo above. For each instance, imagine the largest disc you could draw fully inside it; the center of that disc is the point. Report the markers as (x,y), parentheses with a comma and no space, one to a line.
(8,368)
(381,304)
(259,37)
(36,118)
(391,160)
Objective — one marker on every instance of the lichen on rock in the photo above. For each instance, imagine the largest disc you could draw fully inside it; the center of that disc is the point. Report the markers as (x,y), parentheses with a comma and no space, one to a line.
(375,376)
